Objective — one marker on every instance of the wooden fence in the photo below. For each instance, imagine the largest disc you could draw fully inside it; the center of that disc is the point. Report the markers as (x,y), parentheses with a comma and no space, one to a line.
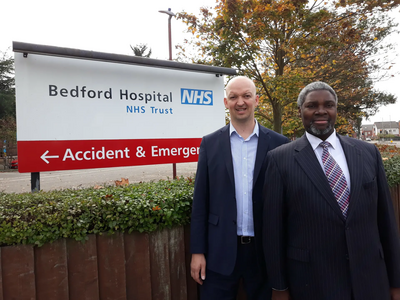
(108,267)
(115,267)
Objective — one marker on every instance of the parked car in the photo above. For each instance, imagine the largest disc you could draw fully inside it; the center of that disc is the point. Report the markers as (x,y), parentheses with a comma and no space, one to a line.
(368,139)
(14,164)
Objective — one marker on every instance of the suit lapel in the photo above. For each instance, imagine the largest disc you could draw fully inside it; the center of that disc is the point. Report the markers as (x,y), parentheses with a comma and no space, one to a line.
(225,146)
(354,163)
(305,156)
(262,150)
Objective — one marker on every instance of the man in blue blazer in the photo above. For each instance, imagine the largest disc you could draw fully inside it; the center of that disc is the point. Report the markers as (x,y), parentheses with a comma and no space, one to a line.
(329,228)
(226,220)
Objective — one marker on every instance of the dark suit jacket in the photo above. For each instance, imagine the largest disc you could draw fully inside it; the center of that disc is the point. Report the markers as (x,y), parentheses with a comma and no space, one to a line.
(213,224)
(309,246)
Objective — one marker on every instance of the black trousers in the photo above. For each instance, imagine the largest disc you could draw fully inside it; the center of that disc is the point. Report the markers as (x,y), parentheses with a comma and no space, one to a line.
(220,287)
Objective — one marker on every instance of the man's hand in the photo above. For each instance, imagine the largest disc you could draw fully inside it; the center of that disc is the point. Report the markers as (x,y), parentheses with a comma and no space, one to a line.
(280,295)
(198,267)
(395,293)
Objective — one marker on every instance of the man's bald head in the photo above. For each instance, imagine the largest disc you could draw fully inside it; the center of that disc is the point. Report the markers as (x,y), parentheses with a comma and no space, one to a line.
(240,81)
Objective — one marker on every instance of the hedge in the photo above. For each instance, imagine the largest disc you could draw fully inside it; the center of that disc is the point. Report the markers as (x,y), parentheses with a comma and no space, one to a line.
(44,217)
(391,162)
(392,169)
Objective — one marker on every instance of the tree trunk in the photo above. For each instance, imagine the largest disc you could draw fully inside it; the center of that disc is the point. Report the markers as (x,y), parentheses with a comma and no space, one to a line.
(276,105)
(277,114)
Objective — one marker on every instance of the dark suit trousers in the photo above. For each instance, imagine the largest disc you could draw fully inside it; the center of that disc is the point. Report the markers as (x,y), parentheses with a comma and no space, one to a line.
(221,287)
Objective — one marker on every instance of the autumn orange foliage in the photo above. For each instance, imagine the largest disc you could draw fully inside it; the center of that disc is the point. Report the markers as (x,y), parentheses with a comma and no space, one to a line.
(388,151)
(285,44)
(122,182)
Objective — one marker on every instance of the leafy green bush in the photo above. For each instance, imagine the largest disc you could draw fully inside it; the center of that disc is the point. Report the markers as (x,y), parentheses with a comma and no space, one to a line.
(47,216)
(392,169)
(391,162)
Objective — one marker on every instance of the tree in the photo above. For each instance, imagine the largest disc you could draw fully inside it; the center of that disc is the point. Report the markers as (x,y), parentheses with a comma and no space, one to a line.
(7,91)
(284,45)
(140,50)
(7,100)
(8,131)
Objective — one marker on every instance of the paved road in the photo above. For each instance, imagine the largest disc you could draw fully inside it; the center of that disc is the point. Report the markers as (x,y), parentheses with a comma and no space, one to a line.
(14,182)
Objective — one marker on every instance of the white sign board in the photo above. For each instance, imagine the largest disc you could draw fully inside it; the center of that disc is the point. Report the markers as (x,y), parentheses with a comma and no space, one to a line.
(77,113)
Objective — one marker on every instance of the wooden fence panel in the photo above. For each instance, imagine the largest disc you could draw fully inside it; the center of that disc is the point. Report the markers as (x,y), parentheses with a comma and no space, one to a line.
(111,264)
(51,271)
(138,273)
(177,263)
(83,280)
(118,267)
(191,285)
(18,272)
(1,278)
(159,264)
(241,295)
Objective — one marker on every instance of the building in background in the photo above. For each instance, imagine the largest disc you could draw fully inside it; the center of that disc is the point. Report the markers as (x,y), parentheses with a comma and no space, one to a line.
(371,131)
(388,127)
(367,131)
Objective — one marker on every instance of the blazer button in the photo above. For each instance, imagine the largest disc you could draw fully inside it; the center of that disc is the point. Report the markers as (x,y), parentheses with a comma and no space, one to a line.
(347,256)
(234,222)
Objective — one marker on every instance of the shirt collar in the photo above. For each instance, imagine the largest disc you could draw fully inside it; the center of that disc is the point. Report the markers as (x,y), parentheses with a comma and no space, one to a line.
(256,130)
(315,141)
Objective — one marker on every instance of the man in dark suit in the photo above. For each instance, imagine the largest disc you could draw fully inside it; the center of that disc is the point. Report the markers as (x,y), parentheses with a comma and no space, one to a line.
(329,228)
(226,220)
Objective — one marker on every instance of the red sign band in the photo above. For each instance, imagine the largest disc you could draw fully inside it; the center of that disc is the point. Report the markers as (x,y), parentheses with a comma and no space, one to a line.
(40,156)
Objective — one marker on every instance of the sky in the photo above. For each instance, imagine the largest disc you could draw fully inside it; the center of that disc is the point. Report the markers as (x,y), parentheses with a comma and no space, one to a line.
(112,26)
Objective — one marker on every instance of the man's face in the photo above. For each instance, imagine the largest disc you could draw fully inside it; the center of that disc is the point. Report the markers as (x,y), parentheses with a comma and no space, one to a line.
(318,113)
(241,100)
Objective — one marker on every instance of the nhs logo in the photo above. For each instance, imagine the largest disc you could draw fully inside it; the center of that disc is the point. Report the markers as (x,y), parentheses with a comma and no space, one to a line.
(196,97)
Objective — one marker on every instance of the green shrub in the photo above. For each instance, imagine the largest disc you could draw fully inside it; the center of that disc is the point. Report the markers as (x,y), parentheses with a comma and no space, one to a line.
(392,169)
(47,216)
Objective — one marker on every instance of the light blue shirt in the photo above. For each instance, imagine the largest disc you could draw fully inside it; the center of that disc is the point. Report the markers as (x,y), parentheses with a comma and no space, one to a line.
(244,158)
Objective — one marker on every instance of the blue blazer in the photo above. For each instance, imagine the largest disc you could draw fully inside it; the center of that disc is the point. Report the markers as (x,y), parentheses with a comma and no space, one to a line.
(309,246)
(213,223)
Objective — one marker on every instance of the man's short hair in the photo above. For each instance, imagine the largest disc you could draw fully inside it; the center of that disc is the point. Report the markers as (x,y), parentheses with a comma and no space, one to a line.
(315,86)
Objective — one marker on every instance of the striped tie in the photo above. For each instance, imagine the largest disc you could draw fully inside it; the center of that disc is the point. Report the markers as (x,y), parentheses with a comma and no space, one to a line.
(336,179)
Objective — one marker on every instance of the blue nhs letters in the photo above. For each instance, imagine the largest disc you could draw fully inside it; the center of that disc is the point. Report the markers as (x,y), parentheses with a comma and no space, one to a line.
(196,97)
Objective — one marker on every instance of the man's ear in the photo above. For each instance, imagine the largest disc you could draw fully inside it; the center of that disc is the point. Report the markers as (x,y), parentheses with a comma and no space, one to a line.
(226,103)
(299,112)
